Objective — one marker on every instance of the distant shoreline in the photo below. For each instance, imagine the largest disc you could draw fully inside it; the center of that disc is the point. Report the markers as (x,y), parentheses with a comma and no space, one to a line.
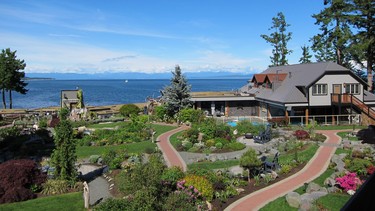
(37,79)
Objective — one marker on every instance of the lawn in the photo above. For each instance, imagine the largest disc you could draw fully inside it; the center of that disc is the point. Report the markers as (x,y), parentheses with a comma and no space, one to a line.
(221,164)
(108,125)
(70,201)
(303,156)
(328,202)
(345,136)
(338,127)
(86,151)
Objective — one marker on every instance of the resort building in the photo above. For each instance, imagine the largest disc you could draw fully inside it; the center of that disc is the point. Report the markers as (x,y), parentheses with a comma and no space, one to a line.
(296,92)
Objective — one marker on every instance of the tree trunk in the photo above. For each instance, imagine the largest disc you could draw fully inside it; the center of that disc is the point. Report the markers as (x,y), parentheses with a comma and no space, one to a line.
(248,176)
(4,103)
(369,76)
(10,99)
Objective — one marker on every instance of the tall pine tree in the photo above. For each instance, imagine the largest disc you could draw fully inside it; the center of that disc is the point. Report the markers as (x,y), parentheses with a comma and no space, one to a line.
(362,18)
(306,57)
(11,78)
(176,96)
(279,40)
(335,33)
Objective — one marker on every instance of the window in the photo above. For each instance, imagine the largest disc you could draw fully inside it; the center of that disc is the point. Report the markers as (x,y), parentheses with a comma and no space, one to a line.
(319,89)
(352,88)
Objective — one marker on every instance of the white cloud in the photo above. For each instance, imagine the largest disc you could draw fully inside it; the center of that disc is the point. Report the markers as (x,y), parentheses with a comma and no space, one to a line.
(61,55)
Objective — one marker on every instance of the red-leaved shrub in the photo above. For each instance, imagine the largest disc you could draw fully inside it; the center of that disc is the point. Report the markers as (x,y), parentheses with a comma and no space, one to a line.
(16,179)
(370,169)
(301,134)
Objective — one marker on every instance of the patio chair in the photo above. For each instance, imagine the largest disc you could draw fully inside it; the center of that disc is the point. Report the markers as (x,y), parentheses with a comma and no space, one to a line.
(264,136)
(269,166)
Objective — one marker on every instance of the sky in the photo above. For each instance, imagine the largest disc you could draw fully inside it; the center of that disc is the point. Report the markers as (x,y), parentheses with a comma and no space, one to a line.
(151,36)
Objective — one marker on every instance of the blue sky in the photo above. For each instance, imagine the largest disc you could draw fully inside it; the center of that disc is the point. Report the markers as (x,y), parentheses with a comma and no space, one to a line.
(150,36)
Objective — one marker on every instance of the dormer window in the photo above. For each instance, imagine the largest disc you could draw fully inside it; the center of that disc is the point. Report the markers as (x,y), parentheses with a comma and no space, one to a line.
(352,89)
(319,89)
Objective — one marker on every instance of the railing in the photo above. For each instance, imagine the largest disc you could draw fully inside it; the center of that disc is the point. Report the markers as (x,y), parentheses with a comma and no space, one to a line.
(345,119)
(351,99)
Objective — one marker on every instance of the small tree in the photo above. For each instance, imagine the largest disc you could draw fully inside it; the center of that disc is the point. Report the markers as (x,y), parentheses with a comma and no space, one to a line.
(177,95)
(17,178)
(129,110)
(64,155)
(64,113)
(249,161)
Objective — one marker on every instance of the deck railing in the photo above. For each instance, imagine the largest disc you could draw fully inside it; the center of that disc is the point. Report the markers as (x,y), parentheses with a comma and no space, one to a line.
(353,100)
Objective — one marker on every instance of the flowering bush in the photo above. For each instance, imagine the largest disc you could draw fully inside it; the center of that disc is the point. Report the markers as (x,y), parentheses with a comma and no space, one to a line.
(203,185)
(190,190)
(349,181)
(301,134)
(370,169)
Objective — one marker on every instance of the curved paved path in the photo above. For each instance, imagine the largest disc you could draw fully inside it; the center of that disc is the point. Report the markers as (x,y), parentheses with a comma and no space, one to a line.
(171,156)
(315,167)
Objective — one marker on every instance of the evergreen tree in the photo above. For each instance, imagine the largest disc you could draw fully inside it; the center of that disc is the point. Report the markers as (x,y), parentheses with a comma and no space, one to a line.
(279,40)
(332,43)
(362,18)
(249,160)
(64,155)
(176,96)
(305,55)
(11,78)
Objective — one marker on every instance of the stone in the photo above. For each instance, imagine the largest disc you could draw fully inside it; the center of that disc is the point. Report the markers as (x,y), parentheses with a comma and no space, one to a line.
(240,190)
(293,199)
(333,189)
(212,158)
(100,161)
(305,205)
(274,175)
(330,182)
(312,187)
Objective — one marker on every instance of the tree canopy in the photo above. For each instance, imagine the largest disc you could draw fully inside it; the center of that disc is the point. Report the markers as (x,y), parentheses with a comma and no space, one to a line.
(176,96)
(279,40)
(306,57)
(11,78)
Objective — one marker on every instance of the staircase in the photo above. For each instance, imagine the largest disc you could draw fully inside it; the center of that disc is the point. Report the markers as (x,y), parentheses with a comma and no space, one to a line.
(351,99)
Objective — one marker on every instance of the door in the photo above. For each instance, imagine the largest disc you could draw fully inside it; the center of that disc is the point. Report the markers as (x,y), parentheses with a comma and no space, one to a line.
(336,92)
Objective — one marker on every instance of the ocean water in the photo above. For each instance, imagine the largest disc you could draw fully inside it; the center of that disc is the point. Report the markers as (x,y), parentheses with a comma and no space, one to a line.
(46,93)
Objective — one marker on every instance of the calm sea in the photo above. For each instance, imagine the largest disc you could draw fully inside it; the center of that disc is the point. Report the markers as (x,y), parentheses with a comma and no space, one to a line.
(45,93)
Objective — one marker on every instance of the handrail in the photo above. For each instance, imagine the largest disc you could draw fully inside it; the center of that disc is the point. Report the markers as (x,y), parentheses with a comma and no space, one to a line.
(350,98)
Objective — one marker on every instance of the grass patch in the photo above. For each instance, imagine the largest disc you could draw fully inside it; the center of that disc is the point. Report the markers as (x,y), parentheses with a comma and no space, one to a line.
(303,156)
(332,201)
(173,139)
(108,125)
(70,201)
(221,164)
(160,129)
(86,151)
(338,127)
(340,151)
(280,204)
(345,135)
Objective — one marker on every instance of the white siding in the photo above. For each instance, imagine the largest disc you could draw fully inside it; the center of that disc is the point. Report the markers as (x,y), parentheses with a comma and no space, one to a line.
(325,100)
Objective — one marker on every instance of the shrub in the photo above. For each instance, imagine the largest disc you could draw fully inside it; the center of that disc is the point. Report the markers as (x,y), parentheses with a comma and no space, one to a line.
(129,110)
(349,181)
(178,201)
(114,158)
(246,126)
(94,158)
(219,145)
(191,134)
(358,166)
(113,204)
(191,115)
(172,175)
(203,185)
(52,187)
(301,134)
(319,137)
(285,169)
(235,146)
(43,123)
(210,142)
(16,179)
(370,170)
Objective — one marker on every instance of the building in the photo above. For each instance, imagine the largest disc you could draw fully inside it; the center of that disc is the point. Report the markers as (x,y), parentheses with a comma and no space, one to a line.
(302,90)
(69,99)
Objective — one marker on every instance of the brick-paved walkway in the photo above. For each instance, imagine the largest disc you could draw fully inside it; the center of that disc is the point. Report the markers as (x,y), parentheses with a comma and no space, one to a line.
(171,156)
(315,167)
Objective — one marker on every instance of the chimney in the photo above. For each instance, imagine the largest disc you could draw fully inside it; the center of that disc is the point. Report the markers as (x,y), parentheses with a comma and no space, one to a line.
(290,74)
